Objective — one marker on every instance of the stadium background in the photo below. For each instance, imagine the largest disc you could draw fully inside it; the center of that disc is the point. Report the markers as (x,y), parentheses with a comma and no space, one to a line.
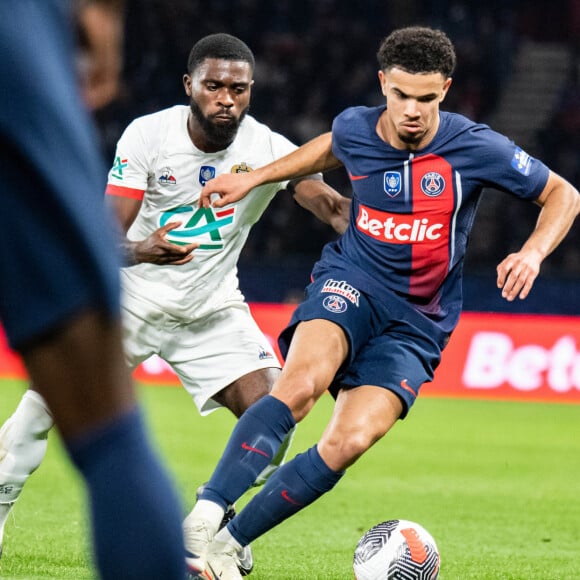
(518,70)
(494,481)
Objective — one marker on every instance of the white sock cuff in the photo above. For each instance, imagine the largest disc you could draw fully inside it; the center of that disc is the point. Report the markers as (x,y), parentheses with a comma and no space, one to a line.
(34,410)
(209,512)
(225,537)
(37,398)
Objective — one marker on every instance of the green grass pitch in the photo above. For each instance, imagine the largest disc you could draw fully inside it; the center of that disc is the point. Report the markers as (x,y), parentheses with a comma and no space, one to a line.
(496,483)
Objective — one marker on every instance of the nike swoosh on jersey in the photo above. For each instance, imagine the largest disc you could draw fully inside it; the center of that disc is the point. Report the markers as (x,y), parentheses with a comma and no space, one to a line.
(356,177)
(247,447)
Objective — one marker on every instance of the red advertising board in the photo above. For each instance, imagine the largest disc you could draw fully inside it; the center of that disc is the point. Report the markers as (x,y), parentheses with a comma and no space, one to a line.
(492,356)
(511,356)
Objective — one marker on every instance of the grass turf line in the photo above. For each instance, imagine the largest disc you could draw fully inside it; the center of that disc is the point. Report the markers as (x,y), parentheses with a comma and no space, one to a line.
(496,484)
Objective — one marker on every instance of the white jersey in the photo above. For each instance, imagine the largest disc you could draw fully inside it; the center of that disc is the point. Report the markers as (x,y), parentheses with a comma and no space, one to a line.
(156,161)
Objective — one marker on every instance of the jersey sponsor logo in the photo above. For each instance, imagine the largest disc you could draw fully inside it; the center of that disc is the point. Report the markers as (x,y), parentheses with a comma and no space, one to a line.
(432,184)
(206,172)
(392,183)
(241,168)
(335,304)
(118,166)
(343,289)
(167,177)
(199,224)
(397,228)
(521,161)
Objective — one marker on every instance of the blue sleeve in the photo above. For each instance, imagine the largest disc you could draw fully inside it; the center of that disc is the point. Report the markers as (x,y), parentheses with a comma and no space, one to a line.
(504,165)
(345,129)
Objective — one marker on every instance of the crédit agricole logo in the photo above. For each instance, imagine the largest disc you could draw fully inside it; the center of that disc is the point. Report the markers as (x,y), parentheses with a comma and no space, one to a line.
(198,224)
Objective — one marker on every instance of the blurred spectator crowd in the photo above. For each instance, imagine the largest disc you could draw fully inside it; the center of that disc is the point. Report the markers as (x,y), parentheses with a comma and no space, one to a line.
(316,57)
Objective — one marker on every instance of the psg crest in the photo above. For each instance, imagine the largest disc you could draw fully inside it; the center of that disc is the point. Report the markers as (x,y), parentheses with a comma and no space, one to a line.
(336,304)
(432,184)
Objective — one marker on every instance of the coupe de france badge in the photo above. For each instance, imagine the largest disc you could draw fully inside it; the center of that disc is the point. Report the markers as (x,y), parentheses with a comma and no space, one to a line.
(206,173)
(392,183)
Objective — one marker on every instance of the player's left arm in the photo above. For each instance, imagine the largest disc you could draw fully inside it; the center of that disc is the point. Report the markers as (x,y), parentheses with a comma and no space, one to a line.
(560,203)
(327,204)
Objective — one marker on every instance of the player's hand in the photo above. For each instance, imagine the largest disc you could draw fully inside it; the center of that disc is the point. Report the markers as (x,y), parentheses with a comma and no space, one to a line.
(157,250)
(226,188)
(517,273)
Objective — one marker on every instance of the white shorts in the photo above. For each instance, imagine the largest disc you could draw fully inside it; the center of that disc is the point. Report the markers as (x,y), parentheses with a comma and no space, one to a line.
(207,354)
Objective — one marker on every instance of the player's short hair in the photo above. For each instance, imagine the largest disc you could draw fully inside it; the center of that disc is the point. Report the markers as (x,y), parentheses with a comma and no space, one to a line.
(222,46)
(418,50)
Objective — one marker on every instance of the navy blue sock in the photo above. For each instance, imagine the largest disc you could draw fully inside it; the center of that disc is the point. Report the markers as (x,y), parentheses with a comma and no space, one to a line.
(291,488)
(136,517)
(253,443)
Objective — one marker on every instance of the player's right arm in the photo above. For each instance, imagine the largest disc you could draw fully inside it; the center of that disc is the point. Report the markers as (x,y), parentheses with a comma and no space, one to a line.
(127,186)
(560,202)
(313,157)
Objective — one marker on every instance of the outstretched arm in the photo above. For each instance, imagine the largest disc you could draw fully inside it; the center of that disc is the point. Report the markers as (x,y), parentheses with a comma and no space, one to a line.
(560,203)
(313,157)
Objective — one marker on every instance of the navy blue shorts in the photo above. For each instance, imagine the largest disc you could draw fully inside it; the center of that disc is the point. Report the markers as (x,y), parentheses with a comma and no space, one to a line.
(391,345)
(57,254)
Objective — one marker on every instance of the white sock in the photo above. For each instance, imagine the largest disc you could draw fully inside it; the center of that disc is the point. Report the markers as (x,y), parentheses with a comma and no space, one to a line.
(209,512)
(223,539)
(23,442)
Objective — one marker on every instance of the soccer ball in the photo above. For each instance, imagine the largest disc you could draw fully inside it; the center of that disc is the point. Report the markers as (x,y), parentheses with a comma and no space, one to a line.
(396,550)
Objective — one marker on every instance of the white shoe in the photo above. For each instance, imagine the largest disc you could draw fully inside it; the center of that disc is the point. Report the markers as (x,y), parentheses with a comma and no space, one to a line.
(224,563)
(245,556)
(245,560)
(197,537)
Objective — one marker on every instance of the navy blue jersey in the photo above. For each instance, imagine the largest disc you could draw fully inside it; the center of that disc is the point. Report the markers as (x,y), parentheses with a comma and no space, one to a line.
(412,211)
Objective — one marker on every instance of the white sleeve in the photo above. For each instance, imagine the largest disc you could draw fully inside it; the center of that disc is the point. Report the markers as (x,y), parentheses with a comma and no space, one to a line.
(131,166)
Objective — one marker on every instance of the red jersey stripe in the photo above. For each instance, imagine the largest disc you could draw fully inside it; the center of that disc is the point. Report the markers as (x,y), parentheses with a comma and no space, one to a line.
(433,199)
(124,191)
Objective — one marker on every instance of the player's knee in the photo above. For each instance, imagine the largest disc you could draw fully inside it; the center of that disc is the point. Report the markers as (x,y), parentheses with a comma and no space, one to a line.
(341,450)
(300,392)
